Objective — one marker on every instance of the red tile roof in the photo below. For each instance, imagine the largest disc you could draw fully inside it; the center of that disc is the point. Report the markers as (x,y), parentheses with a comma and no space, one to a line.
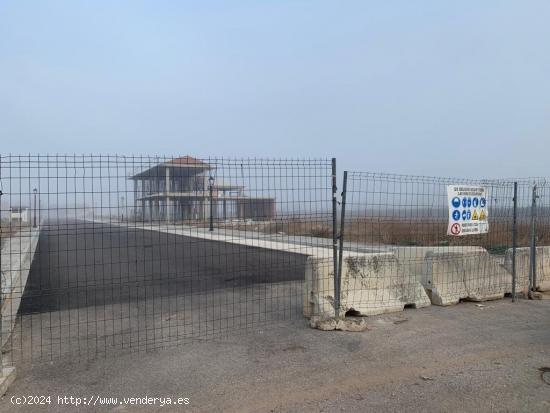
(187,160)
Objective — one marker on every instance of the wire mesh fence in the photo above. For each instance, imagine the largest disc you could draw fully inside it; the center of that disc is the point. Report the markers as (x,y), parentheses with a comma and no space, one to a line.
(534,262)
(102,253)
(400,250)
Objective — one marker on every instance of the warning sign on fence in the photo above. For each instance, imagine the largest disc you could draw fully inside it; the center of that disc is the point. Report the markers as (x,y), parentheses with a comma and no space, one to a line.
(467,210)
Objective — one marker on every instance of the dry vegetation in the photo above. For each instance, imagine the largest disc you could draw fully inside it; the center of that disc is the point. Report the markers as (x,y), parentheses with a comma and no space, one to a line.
(289,226)
(390,231)
(429,233)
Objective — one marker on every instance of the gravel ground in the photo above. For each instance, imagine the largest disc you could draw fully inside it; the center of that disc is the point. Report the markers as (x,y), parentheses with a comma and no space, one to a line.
(463,358)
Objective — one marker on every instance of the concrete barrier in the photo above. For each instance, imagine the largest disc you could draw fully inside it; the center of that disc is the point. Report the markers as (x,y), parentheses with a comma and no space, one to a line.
(486,278)
(318,291)
(372,283)
(17,255)
(450,274)
(445,277)
(523,260)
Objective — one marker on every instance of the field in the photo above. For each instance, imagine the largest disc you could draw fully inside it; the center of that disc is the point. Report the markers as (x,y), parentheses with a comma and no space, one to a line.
(404,232)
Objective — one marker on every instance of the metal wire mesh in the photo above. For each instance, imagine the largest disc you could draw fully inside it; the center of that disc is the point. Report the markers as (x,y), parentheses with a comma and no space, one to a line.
(103,253)
(109,252)
(535,263)
(398,254)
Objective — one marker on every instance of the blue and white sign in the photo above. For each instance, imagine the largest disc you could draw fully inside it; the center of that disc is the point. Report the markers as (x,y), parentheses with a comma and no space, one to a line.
(468,214)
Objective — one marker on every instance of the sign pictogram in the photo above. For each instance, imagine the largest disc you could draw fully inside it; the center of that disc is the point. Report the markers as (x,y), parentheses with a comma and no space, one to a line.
(455,229)
(468,213)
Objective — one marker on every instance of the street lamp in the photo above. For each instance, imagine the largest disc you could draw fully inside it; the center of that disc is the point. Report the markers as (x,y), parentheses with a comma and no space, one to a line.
(211,189)
(34,222)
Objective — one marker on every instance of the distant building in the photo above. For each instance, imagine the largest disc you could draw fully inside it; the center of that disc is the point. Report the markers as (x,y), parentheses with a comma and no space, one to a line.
(20,215)
(178,190)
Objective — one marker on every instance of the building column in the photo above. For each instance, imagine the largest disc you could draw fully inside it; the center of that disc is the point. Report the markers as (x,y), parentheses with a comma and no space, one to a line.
(143,209)
(135,198)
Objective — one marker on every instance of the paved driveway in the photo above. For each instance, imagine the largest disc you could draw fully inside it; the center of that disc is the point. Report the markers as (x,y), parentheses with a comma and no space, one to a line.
(81,263)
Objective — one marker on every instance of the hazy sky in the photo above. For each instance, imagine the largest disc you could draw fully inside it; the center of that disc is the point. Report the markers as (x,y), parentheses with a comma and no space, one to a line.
(422,87)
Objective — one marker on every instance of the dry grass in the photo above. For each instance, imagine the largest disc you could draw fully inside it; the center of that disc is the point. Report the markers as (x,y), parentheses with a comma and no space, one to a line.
(390,231)
(289,226)
(434,232)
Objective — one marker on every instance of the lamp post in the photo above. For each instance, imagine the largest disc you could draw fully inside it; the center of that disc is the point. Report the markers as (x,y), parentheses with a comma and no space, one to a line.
(211,189)
(34,221)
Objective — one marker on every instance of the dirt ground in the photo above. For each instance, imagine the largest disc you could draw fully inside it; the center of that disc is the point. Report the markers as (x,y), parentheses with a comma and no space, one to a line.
(462,358)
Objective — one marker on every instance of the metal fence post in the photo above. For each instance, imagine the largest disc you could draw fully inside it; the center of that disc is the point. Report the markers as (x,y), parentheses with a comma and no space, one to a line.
(341,238)
(514,241)
(335,242)
(1,292)
(533,255)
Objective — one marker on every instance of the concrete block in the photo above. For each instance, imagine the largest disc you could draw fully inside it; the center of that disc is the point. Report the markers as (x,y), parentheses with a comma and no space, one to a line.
(445,277)
(450,274)
(319,287)
(522,268)
(412,259)
(485,278)
(523,259)
(372,283)
(6,379)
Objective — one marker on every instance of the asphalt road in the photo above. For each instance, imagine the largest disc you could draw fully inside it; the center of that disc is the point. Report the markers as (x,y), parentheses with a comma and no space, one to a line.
(80,264)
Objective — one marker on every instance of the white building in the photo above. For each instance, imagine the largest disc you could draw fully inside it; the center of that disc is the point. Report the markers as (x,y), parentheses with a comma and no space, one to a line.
(178,190)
